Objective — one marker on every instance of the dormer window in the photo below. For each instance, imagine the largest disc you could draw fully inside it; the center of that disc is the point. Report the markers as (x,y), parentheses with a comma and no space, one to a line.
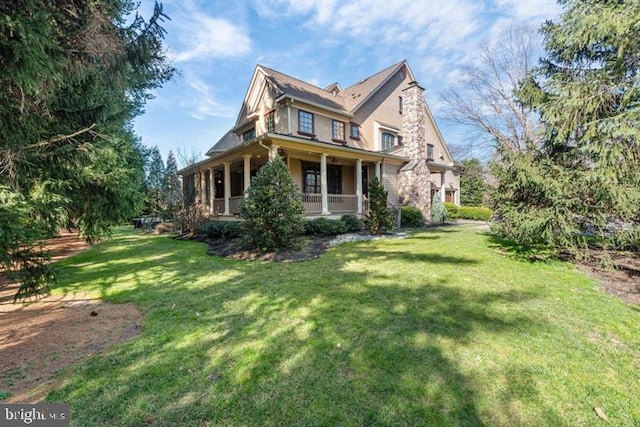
(355,130)
(388,140)
(338,131)
(249,135)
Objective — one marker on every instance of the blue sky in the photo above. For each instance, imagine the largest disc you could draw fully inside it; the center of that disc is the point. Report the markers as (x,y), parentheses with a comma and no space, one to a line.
(216,45)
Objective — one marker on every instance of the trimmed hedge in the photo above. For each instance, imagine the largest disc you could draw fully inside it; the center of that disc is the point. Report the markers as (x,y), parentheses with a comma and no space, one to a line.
(220,229)
(325,227)
(474,212)
(452,210)
(352,223)
(411,216)
(333,227)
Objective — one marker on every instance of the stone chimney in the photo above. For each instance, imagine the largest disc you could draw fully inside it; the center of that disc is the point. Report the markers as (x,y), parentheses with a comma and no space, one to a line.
(414,184)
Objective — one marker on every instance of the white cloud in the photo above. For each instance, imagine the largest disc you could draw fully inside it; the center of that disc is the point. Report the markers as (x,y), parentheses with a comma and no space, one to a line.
(202,37)
(530,10)
(200,101)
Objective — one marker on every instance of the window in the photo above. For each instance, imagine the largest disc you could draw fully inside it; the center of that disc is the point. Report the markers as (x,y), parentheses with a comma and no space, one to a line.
(311,177)
(270,122)
(338,131)
(305,123)
(388,140)
(400,104)
(249,135)
(450,196)
(365,180)
(334,179)
(355,131)
(430,152)
(399,140)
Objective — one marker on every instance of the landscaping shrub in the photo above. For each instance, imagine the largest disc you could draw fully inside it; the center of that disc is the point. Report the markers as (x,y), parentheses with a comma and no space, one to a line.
(352,223)
(474,212)
(452,210)
(325,227)
(411,216)
(272,210)
(220,229)
(379,219)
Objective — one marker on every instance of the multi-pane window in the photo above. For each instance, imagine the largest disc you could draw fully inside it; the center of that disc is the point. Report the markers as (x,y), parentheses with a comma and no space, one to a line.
(355,131)
(388,140)
(429,151)
(334,179)
(400,104)
(338,130)
(311,177)
(305,122)
(270,122)
(249,135)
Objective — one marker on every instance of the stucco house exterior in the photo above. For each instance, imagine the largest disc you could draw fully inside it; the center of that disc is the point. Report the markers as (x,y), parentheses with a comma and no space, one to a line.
(334,142)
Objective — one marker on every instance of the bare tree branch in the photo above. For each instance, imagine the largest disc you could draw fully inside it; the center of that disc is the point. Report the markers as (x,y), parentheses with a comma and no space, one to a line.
(486,101)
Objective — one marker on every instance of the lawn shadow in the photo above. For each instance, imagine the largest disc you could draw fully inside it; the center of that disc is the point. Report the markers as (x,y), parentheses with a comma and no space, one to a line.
(319,342)
(519,251)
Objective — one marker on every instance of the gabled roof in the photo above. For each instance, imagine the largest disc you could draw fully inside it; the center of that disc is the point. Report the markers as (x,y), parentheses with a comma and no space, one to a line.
(356,95)
(299,89)
(347,101)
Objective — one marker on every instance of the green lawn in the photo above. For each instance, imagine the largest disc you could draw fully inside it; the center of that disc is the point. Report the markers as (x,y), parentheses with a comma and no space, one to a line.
(437,329)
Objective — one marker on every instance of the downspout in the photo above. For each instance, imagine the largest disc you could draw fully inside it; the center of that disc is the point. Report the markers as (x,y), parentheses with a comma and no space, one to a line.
(265,147)
(289,116)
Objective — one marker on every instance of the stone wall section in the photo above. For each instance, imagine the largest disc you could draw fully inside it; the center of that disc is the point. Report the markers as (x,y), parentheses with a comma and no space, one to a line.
(413,181)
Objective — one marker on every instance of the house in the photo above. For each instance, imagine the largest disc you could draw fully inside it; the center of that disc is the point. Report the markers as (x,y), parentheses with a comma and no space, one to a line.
(334,142)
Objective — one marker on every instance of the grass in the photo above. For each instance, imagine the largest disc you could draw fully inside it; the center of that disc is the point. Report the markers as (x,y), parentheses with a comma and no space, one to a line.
(438,329)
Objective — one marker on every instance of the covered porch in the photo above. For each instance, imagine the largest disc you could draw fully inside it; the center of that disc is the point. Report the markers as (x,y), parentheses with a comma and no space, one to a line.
(333,180)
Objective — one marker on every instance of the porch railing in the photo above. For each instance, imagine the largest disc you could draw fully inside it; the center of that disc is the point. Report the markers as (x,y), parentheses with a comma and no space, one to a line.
(218,206)
(312,202)
(234,204)
(338,203)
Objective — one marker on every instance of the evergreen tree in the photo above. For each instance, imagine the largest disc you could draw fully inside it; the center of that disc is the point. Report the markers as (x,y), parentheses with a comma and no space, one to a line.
(172,186)
(74,75)
(584,182)
(379,219)
(473,185)
(438,210)
(154,182)
(273,210)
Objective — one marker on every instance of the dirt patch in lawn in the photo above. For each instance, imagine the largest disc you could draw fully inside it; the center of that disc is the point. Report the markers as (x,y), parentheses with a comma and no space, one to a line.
(617,272)
(40,337)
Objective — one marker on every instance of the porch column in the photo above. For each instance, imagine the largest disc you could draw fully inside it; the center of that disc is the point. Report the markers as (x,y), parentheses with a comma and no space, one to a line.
(273,151)
(212,190)
(227,186)
(359,186)
(323,184)
(247,172)
(378,171)
(203,188)
(443,192)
